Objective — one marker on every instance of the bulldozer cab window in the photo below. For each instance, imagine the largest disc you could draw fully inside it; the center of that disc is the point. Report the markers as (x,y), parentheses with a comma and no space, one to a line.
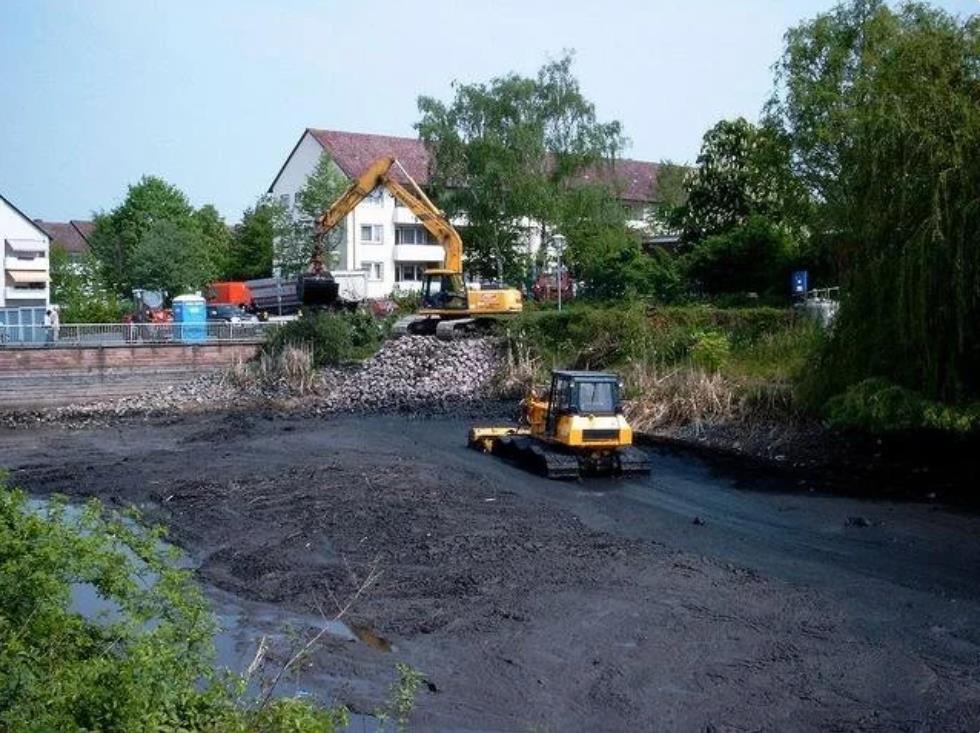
(560,401)
(597,397)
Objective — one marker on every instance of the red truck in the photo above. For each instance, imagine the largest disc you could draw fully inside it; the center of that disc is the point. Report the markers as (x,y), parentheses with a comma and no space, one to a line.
(235,293)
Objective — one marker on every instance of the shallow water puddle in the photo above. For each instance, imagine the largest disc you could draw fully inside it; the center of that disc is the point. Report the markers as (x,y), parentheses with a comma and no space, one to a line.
(245,626)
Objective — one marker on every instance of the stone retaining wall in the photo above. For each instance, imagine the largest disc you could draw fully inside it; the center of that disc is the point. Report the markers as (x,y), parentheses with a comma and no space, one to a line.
(43,377)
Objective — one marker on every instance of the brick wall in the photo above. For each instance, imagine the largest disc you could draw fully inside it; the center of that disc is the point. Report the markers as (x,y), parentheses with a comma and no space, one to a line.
(40,377)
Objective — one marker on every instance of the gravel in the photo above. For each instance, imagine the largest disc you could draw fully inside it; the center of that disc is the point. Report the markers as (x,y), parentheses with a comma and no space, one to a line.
(414,372)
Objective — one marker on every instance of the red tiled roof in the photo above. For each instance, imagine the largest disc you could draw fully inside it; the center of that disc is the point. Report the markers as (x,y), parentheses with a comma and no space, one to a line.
(71,235)
(636,180)
(355,151)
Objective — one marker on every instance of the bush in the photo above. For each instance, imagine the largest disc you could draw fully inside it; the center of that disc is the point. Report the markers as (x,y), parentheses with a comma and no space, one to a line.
(332,338)
(879,406)
(596,336)
(146,665)
(753,257)
(710,350)
(408,301)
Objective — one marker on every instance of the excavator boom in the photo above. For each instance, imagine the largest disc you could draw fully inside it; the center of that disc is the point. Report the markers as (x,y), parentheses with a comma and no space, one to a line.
(429,216)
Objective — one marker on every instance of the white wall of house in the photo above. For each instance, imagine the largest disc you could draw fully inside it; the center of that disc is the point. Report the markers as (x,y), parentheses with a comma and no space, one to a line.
(26,276)
(382,238)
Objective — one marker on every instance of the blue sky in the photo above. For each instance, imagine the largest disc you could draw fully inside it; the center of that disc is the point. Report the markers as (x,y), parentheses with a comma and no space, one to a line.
(212,94)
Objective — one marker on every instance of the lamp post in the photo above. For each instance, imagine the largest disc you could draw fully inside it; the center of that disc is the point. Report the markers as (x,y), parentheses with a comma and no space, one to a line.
(558,241)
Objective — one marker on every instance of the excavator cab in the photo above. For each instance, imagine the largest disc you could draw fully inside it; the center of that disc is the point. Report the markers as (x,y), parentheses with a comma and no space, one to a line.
(443,290)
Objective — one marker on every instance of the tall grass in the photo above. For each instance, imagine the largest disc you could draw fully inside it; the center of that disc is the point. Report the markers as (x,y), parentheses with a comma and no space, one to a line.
(287,369)
(680,365)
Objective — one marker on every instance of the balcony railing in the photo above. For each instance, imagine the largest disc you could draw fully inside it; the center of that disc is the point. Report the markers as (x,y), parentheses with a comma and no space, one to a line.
(123,334)
(12,262)
(25,293)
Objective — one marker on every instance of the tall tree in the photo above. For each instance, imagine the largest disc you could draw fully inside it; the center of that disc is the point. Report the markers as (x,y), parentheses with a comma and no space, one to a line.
(743,170)
(506,152)
(173,258)
(295,227)
(883,110)
(251,248)
(117,233)
(216,237)
(671,194)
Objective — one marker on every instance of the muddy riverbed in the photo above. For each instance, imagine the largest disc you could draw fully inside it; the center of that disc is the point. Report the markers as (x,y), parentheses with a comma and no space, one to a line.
(691,600)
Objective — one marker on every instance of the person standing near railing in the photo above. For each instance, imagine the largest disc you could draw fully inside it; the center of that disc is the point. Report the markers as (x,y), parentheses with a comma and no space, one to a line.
(55,324)
(47,325)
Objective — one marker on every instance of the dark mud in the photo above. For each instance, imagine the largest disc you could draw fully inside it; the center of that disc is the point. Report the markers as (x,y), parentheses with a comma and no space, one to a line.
(532,605)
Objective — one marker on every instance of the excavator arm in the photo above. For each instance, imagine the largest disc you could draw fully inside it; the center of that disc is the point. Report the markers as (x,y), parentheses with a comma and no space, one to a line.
(428,214)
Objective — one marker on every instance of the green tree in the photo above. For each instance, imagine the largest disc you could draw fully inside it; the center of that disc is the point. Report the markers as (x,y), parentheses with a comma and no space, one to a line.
(753,256)
(742,170)
(79,290)
(295,229)
(251,248)
(671,195)
(602,251)
(507,151)
(118,233)
(173,258)
(882,108)
(216,237)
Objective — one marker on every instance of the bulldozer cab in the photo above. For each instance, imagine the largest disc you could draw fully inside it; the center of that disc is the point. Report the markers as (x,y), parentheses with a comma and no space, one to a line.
(443,290)
(581,393)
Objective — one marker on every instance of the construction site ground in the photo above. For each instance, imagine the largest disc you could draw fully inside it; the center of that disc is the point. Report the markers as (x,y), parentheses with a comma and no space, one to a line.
(690,600)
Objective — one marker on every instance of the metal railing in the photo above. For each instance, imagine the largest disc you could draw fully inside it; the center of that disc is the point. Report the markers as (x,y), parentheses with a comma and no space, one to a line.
(120,334)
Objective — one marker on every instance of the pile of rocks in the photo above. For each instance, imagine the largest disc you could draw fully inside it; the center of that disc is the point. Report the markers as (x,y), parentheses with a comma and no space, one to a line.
(414,372)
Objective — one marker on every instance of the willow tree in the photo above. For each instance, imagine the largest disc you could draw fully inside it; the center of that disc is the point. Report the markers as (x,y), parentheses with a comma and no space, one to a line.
(882,108)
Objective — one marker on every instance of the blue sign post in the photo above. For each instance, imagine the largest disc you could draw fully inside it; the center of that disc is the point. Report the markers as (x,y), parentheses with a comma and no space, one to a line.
(799,283)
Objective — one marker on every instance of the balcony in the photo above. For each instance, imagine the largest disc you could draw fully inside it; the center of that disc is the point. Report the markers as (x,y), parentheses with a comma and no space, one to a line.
(418,253)
(11,262)
(25,294)
(404,215)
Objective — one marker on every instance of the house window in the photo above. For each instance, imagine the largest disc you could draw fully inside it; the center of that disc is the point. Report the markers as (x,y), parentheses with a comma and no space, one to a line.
(410,272)
(284,200)
(372,233)
(413,235)
(377,196)
(374,270)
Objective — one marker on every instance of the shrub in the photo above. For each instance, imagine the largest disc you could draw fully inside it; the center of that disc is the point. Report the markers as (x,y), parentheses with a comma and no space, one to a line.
(408,301)
(751,257)
(710,350)
(879,406)
(332,338)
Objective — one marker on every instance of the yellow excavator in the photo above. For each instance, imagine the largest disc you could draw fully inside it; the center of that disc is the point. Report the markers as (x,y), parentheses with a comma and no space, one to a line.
(576,428)
(449,307)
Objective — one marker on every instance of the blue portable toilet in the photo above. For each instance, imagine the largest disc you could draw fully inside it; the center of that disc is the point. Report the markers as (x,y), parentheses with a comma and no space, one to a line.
(190,317)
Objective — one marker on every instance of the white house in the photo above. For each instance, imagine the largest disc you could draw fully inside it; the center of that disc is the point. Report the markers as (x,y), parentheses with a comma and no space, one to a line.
(384,238)
(25,260)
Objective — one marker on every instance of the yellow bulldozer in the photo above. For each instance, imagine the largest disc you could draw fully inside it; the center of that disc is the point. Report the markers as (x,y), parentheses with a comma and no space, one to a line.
(449,306)
(576,428)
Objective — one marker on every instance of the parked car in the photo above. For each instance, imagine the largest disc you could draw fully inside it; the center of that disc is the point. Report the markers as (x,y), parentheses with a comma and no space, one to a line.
(228,313)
